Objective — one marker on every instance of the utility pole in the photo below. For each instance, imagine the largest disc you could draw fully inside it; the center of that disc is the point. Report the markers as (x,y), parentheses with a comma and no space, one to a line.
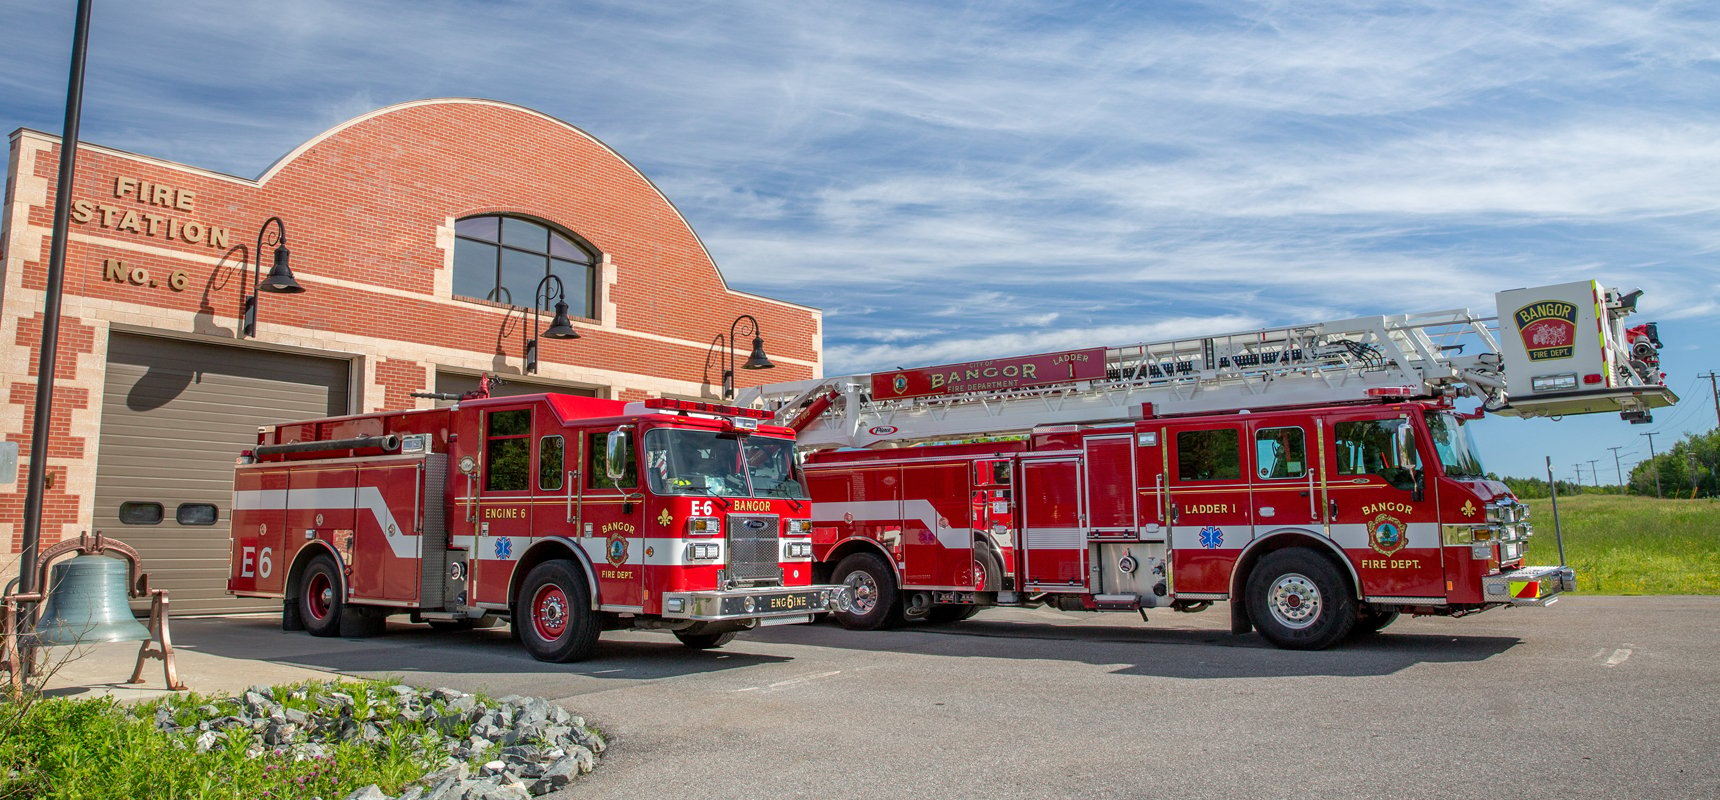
(1616,464)
(1594,472)
(1714,387)
(1578,468)
(1651,459)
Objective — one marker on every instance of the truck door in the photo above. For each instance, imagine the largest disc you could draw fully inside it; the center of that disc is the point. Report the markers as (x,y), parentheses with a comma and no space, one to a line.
(1053,532)
(1382,509)
(1210,516)
(503,505)
(1286,484)
(612,520)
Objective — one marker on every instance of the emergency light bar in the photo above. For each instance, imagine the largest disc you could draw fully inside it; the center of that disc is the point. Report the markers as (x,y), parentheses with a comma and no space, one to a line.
(670,404)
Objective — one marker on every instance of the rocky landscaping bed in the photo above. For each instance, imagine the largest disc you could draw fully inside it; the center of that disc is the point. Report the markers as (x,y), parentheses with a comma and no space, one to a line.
(336,741)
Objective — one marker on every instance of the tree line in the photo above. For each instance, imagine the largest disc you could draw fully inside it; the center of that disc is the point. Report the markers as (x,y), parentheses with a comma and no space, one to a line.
(1691,468)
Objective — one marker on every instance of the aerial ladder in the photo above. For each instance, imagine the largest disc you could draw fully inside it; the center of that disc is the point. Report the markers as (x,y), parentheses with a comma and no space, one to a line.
(1549,351)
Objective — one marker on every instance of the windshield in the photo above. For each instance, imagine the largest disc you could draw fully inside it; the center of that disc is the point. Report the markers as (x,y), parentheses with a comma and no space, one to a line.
(1457,453)
(711,464)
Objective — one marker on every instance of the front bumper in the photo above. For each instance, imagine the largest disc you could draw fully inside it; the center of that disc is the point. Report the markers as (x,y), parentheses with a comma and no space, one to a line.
(761,604)
(1529,586)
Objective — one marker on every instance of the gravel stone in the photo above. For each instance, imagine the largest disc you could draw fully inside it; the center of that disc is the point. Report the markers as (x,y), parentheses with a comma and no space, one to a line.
(371,792)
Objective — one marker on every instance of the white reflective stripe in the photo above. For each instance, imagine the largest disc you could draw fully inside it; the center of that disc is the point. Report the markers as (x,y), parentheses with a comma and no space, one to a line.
(1054,538)
(362,498)
(1231,537)
(874,511)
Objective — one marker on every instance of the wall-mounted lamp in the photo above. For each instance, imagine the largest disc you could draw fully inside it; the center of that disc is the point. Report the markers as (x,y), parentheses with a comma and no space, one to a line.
(559,325)
(280,278)
(756,360)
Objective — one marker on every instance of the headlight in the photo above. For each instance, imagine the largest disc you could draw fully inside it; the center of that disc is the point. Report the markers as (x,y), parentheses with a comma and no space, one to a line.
(703,551)
(799,527)
(797,550)
(704,526)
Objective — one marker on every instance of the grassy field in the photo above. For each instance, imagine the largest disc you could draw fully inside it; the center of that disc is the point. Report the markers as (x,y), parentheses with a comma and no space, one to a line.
(1632,545)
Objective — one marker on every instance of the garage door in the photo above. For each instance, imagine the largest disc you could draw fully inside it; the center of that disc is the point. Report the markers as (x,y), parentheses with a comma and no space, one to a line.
(174,416)
(460,383)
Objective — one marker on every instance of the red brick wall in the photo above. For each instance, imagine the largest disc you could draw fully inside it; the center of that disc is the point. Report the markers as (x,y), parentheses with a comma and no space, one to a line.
(362,207)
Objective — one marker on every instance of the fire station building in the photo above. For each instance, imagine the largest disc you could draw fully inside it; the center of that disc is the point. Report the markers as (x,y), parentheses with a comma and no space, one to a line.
(422,235)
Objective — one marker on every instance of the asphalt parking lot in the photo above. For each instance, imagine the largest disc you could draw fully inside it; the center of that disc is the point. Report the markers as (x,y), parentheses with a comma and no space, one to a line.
(1594,697)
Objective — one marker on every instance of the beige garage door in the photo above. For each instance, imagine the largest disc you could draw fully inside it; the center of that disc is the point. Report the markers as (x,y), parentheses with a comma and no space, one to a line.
(174,416)
(461,383)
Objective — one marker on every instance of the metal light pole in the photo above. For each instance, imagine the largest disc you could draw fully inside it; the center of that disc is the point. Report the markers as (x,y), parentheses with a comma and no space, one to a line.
(36,487)
(560,327)
(280,280)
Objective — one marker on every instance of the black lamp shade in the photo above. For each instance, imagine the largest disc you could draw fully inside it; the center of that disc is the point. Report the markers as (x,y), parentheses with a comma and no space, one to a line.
(560,327)
(280,277)
(757,360)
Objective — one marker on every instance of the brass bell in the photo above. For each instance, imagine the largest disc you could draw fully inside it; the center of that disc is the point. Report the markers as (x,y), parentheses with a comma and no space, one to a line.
(87,604)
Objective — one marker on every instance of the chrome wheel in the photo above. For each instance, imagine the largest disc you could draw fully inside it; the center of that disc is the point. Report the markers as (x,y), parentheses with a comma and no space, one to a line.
(864,589)
(1294,601)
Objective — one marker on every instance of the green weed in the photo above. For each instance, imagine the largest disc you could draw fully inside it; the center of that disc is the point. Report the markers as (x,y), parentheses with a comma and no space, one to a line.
(1632,545)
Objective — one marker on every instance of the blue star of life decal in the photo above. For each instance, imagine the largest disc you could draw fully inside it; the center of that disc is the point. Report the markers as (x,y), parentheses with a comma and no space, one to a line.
(1211,537)
(504,547)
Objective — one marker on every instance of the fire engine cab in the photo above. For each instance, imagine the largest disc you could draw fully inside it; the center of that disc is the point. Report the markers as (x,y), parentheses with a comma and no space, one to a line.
(565,515)
(1320,477)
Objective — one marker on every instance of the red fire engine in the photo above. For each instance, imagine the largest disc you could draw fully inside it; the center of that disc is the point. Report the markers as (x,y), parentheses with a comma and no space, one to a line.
(1319,476)
(566,515)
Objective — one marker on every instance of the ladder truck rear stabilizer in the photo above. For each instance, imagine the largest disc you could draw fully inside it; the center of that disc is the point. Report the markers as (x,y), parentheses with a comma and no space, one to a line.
(1318,475)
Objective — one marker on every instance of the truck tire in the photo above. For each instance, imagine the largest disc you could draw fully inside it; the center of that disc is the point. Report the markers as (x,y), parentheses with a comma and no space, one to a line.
(877,601)
(1373,619)
(554,615)
(1299,600)
(319,602)
(705,641)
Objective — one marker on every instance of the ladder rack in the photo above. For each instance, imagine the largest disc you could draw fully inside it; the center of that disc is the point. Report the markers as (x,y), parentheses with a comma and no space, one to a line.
(1353,360)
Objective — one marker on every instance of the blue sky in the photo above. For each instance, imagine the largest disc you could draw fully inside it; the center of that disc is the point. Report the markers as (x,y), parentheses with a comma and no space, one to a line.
(953,181)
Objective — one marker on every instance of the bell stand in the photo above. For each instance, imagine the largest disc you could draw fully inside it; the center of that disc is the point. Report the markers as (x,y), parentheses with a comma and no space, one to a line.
(12,653)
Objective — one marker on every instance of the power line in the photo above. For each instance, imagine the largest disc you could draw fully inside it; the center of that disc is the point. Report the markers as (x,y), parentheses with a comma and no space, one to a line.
(1714,387)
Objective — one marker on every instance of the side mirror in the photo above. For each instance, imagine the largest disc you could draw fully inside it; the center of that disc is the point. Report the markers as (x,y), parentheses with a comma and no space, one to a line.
(615,451)
(1404,438)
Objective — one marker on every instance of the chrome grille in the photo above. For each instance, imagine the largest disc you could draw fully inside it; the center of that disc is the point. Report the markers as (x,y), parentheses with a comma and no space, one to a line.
(753,548)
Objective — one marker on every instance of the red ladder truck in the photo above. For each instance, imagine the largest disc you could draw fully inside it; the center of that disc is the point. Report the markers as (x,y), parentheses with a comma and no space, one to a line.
(1319,477)
(565,515)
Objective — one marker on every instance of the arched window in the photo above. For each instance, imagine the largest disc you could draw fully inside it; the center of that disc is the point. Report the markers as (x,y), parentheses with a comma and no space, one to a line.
(503,259)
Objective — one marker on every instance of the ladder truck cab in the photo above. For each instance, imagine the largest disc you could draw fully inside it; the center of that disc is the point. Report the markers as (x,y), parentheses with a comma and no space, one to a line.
(563,515)
(1321,477)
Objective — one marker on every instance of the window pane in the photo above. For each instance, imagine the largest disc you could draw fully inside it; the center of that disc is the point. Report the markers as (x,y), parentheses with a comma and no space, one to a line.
(522,233)
(140,513)
(507,462)
(510,423)
(485,228)
(1280,453)
(577,280)
(1369,447)
(1208,455)
(563,247)
(195,514)
(474,268)
(521,274)
(549,463)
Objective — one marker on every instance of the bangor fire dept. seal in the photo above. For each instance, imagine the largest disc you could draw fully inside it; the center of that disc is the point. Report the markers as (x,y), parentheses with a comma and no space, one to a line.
(617,550)
(1387,534)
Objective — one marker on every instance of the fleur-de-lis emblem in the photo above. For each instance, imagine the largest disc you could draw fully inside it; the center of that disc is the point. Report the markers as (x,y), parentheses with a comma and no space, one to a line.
(665,518)
(1468,508)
